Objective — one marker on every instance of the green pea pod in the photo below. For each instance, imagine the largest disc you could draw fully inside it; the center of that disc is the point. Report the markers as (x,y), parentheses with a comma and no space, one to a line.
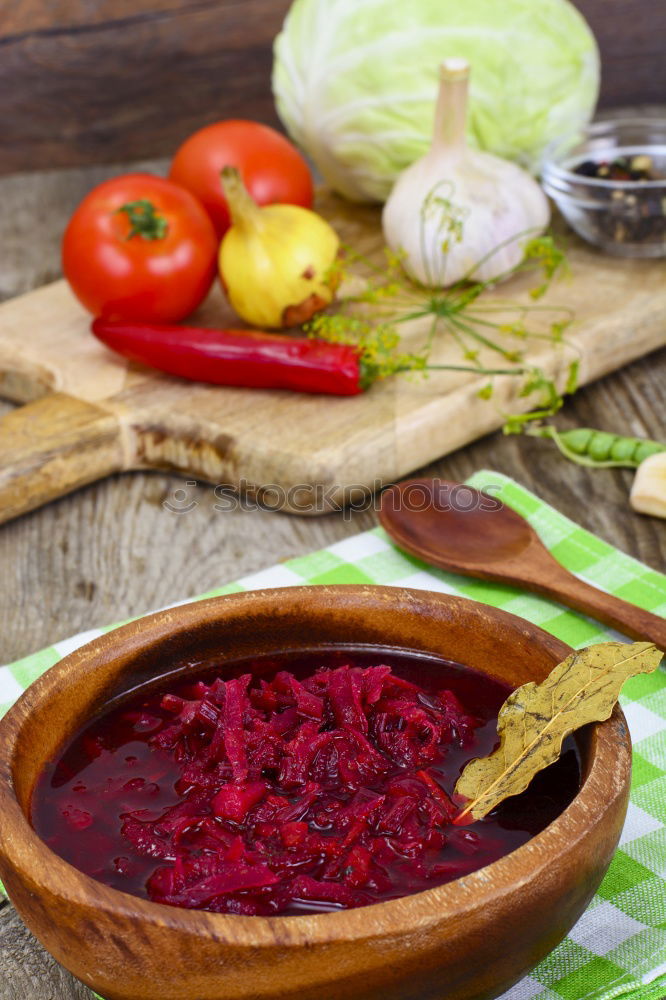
(600,446)
(577,440)
(646,448)
(624,449)
(600,449)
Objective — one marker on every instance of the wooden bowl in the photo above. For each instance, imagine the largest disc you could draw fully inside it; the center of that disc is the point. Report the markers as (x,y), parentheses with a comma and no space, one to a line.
(468,940)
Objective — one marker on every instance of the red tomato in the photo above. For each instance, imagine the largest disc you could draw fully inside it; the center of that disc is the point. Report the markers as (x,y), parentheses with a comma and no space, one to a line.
(273,170)
(140,247)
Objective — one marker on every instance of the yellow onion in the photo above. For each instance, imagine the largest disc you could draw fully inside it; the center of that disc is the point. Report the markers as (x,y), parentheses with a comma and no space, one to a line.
(275,261)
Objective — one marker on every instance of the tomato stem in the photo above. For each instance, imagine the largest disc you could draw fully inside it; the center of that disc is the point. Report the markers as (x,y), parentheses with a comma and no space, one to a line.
(144,220)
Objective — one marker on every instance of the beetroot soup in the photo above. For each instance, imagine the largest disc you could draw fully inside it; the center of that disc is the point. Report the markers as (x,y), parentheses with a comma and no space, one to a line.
(303,782)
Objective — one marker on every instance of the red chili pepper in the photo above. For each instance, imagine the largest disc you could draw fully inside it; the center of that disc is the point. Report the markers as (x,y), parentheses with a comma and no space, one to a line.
(237,357)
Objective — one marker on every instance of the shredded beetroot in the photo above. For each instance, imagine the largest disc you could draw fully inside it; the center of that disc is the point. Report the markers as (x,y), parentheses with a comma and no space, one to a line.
(278,795)
(316,789)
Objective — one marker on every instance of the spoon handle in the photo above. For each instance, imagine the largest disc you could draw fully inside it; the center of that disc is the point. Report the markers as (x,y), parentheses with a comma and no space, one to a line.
(621,615)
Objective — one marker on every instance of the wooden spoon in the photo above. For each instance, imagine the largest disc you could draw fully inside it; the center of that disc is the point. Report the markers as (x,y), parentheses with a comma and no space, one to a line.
(463,530)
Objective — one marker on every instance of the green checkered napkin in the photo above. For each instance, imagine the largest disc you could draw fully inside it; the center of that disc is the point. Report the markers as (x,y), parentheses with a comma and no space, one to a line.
(618,947)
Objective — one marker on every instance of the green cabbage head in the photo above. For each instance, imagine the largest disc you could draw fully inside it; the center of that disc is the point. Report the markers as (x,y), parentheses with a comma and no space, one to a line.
(355,81)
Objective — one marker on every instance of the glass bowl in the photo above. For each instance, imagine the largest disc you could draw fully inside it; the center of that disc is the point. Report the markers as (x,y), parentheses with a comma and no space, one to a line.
(623,217)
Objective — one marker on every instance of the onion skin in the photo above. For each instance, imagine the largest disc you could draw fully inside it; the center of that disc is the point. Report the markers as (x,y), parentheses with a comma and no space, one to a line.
(275,261)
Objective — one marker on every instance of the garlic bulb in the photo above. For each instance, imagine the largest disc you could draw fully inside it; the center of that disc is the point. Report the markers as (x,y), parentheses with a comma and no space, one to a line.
(648,493)
(276,260)
(459,213)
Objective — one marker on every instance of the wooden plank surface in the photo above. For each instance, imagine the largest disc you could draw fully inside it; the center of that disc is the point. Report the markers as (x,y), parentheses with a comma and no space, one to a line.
(631,36)
(87,81)
(305,446)
(113,550)
(95,82)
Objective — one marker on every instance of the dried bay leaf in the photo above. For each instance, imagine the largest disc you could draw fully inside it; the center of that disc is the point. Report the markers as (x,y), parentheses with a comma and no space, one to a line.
(534,720)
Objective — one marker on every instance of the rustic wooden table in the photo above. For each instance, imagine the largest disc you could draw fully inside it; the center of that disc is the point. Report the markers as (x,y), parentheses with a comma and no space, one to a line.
(113,550)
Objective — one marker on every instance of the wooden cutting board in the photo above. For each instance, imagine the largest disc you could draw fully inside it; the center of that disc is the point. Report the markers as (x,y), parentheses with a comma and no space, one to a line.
(90,413)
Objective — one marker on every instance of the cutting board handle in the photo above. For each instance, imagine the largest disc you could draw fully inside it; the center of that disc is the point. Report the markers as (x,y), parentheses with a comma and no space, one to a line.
(51,447)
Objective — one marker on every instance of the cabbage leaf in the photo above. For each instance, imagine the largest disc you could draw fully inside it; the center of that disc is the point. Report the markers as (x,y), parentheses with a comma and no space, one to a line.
(355,81)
